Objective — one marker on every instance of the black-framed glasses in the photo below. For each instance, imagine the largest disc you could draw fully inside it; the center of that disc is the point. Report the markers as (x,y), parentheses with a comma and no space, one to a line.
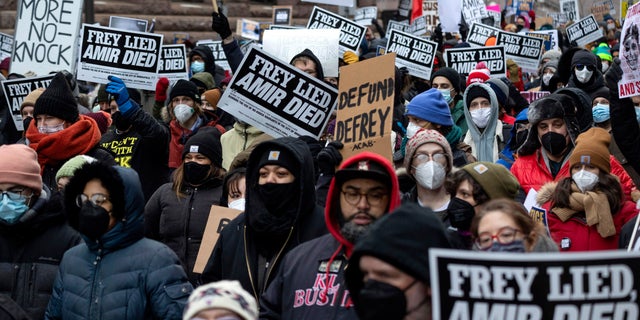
(579,67)
(15,194)
(373,198)
(424,157)
(505,235)
(97,199)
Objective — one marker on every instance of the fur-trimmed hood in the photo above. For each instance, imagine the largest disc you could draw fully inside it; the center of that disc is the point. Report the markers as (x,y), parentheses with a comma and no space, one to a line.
(546,192)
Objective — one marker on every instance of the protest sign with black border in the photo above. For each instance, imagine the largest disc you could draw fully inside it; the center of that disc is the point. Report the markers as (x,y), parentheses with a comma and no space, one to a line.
(474,10)
(126,23)
(524,50)
(282,15)
(584,31)
(278,98)
(404,8)
(558,18)
(364,15)
(173,62)
(479,34)
(46,36)
(17,89)
(534,286)
(464,60)
(6,45)
(218,53)
(571,9)
(132,56)
(351,33)
(412,52)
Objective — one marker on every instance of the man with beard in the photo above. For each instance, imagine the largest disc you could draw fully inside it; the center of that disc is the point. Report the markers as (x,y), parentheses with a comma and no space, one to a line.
(310,283)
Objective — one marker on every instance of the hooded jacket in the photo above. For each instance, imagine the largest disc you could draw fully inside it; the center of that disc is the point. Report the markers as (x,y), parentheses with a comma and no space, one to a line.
(507,154)
(209,62)
(237,140)
(241,250)
(122,275)
(298,290)
(309,54)
(484,145)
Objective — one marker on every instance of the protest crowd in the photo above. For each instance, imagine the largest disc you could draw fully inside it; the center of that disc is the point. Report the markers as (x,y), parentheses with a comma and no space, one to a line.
(394,170)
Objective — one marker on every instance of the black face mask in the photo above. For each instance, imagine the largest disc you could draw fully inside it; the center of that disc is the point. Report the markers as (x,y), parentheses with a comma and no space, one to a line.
(195,173)
(379,300)
(277,197)
(26,122)
(93,221)
(460,214)
(121,123)
(520,138)
(554,143)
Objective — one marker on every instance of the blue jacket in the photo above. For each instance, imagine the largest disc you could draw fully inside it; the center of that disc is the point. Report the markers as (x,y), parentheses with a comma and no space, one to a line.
(506,155)
(122,275)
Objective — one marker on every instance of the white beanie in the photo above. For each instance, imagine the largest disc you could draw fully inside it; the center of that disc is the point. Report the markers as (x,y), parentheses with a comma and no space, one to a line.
(224,294)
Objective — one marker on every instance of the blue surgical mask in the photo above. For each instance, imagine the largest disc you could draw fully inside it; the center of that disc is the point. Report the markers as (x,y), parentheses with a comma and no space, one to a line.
(51,129)
(12,210)
(197,66)
(446,93)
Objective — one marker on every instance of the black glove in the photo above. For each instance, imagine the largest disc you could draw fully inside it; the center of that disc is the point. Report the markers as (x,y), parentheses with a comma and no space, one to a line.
(220,24)
(329,157)
(613,76)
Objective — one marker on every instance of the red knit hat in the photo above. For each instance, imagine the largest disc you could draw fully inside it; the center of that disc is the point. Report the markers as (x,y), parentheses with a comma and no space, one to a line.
(19,165)
(480,74)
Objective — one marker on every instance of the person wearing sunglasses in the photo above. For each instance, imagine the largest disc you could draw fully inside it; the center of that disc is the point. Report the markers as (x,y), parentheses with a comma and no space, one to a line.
(585,72)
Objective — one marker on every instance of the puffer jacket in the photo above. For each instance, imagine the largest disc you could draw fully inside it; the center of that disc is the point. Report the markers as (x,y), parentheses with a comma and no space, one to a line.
(122,275)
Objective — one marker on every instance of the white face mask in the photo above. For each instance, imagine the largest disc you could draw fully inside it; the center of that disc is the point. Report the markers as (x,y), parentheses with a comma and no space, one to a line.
(412,129)
(605,66)
(51,129)
(481,117)
(237,204)
(430,175)
(183,112)
(546,78)
(585,180)
(583,75)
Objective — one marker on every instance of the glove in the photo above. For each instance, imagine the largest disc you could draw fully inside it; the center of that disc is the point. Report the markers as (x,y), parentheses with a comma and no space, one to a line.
(117,88)
(350,57)
(161,89)
(329,158)
(613,76)
(220,24)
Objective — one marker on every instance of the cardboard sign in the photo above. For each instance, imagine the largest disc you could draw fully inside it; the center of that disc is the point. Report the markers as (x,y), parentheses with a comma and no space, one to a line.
(550,38)
(218,53)
(571,9)
(364,15)
(218,218)
(132,56)
(629,85)
(558,18)
(17,89)
(285,44)
(584,31)
(464,60)
(343,3)
(173,62)
(473,10)
(430,13)
(351,33)
(46,36)
(414,53)
(6,45)
(601,8)
(278,98)
(130,24)
(365,111)
(524,50)
(282,15)
(534,286)
(480,34)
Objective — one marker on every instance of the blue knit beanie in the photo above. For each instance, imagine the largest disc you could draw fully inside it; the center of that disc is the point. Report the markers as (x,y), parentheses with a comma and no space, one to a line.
(430,106)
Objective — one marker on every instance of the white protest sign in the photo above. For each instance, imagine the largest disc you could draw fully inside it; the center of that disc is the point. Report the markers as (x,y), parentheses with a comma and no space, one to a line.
(418,27)
(430,13)
(414,53)
(571,9)
(218,53)
(351,33)
(17,89)
(495,15)
(629,85)
(126,23)
(364,15)
(584,31)
(404,8)
(552,43)
(464,60)
(534,286)
(132,56)
(343,3)
(558,18)
(285,44)
(449,12)
(173,62)
(6,45)
(278,98)
(398,25)
(46,36)
(479,34)
(524,50)
(474,10)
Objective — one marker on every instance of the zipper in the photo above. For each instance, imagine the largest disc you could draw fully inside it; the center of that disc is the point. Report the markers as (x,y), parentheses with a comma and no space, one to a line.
(94,300)
(266,278)
(246,258)
(31,286)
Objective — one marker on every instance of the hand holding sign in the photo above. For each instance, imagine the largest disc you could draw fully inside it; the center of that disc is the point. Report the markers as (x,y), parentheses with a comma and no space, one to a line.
(117,88)
(613,76)
(329,157)
(220,24)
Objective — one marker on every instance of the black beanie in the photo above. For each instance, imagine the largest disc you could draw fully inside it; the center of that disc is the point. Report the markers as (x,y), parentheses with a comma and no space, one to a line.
(584,57)
(185,88)
(58,101)
(476,92)
(207,142)
(277,155)
(451,74)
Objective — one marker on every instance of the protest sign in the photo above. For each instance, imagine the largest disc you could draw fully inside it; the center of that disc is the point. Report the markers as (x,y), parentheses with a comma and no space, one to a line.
(282,15)
(364,15)
(218,53)
(534,286)
(351,33)
(418,27)
(584,31)
(180,37)
(601,8)
(532,96)
(634,243)
(219,217)
(629,85)
(173,62)
(449,14)
(343,3)
(130,24)
(430,13)
(524,50)
(624,7)
(17,89)
(404,8)
(464,60)
(283,27)
(285,44)
(278,98)
(248,29)
(480,35)
(558,18)
(365,108)
(571,9)
(131,56)
(46,36)
(6,45)
(473,11)
(397,25)
(546,38)
(494,17)
(414,53)
(550,38)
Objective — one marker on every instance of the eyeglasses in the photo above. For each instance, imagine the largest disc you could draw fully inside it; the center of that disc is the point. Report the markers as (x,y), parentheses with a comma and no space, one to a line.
(97,199)
(505,235)
(579,67)
(15,194)
(423,157)
(373,198)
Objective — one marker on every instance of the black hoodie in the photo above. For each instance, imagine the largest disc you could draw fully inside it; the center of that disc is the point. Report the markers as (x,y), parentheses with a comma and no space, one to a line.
(308,53)
(209,62)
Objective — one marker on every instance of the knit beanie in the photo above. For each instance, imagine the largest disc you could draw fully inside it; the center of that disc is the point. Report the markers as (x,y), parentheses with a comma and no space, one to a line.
(30,99)
(583,57)
(185,88)
(480,74)
(207,142)
(496,181)
(203,80)
(73,164)
(19,165)
(224,294)
(58,101)
(424,136)
(5,63)
(592,147)
(552,55)
(102,95)
(477,91)
(212,96)
(430,106)
(602,92)
(103,119)
(603,52)
(278,155)
(451,74)
(501,90)
(600,113)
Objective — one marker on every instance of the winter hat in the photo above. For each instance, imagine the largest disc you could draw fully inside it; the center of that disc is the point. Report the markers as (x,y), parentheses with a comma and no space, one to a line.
(592,147)
(364,169)
(501,90)
(545,108)
(424,136)
(30,99)
(496,181)
(480,74)
(185,88)
(430,106)
(19,165)
(603,52)
(203,80)
(451,74)
(277,155)
(583,57)
(102,95)
(477,91)
(602,92)
(6,62)
(552,55)
(212,96)
(207,142)
(225,81)
(103,119)
(58,101)
(73,164)
(224,294)
(600,114)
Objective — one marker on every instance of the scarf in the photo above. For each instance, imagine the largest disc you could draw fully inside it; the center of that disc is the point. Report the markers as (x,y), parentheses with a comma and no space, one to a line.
(179,136)
(595,206)
(454,136)
(54,148)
